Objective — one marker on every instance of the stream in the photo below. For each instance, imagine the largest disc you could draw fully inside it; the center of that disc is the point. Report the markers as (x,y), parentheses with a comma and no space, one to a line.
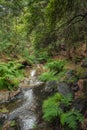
(23,111)
(24,108)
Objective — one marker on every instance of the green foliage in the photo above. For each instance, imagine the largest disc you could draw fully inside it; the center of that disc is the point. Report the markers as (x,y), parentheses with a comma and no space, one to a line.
(47,76)
(71,119)
(60,76)
(56,71)
(43,56)
(67,101)
(59,106)
(4,110)
(13,123)
(56,66)
(51,108)
(10,75)
(41,24)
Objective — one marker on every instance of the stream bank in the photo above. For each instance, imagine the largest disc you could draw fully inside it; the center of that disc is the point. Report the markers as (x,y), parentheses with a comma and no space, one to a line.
(23,108)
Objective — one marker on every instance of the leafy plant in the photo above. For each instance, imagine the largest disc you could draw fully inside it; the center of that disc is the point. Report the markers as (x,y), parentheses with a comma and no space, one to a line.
(42,56)
(10,75)
(47,76)
(71,119)
(57,65)
(51,108)
(56,71)
(13,123)
(4,110)
(58,106)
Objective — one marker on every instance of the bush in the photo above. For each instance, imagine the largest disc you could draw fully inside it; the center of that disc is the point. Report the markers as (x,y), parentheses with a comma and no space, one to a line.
(71,119)
(56,71)
(57,65)
(50,107)
(10,75)
(42,56)
(59,107)
(47,76)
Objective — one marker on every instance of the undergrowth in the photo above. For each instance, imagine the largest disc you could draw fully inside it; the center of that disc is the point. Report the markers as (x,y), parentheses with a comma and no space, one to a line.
(10,75)
(59,107)
(56,71)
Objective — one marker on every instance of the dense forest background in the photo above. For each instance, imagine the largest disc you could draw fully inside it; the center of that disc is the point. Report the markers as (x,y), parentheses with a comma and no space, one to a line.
(42,28)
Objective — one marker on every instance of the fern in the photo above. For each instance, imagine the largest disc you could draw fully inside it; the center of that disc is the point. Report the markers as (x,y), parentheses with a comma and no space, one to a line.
(71,119)
(47,76)
(57,65)
(10,75)
(67,100)
(51,107)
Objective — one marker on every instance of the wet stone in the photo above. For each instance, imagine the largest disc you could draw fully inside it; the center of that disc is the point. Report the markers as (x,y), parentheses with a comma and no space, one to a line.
(64,88)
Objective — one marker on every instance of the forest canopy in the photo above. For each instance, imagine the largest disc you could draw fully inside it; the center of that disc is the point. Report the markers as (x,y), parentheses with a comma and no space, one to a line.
(42,25)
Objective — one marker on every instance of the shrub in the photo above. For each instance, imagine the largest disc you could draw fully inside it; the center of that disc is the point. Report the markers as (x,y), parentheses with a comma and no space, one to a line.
(50,107)
(71,119)
(47,76)
(42,56)
(10,75)
(58,106)
(57,65)
(56,72)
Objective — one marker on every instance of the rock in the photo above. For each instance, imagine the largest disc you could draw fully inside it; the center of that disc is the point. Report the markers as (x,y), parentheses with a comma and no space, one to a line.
(71,77)
(64,88)
(83,75)
(70,73)
(11,125)
(3,117)
(6,96)
(51,86)
(84,64)
(80,104)
(75,87)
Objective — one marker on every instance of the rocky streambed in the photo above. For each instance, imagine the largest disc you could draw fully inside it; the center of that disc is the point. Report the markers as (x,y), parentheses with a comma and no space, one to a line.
(22,109)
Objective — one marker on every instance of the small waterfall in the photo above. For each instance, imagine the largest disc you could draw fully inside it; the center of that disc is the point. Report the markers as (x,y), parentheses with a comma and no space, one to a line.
(25,112)
(33,72)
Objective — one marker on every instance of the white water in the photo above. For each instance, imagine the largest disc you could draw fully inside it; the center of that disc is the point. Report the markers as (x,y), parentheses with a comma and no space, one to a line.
(33,72)
(25,112)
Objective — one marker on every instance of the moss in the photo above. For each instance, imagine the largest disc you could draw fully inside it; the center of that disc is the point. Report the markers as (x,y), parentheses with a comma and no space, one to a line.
(13,123)
(4,110)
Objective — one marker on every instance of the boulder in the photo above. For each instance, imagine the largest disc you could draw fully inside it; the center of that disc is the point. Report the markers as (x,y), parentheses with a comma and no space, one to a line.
(7,96)
(84,64)
(83,75)
(64,88)
(51,86)
(3,117)
(80,104)
(61,87)
(70,73)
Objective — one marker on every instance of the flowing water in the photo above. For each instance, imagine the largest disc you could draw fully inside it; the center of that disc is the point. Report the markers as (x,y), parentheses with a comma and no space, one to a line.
(26,108)
(25,111)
